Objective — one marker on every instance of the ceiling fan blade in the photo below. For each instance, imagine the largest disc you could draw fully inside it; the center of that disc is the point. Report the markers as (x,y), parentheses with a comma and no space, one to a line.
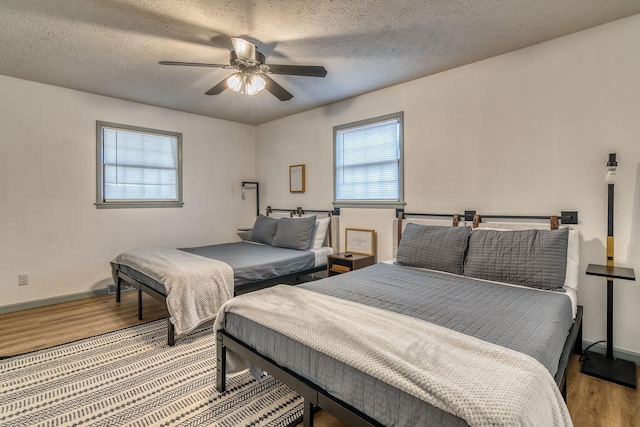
(278,91)
(245,50)
(217,89)
(299,70)
(193,64)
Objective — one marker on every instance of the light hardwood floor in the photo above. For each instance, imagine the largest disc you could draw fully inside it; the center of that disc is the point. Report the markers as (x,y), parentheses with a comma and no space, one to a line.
(591,402)
(43,327)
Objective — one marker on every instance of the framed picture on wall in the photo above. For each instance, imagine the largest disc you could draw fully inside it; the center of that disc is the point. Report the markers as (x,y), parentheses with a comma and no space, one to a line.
(359,241)
(296,179)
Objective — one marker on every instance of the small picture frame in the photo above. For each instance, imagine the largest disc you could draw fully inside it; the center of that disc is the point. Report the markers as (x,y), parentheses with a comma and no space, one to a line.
(360,241)
(296,179)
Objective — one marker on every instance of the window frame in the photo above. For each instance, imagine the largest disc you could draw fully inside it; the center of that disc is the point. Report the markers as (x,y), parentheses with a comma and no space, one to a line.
(372,203)
(101,203)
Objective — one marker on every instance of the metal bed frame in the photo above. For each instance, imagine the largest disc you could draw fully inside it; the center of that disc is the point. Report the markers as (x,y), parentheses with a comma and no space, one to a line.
(249,287)
(316,397)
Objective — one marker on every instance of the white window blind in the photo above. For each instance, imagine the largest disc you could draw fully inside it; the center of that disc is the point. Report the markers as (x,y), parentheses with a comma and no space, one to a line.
(368,160)
(138,166)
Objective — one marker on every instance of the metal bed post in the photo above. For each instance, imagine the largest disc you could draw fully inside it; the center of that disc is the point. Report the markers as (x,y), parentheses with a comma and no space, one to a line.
(171,333)
(221,365)
(400,217)
(118,289)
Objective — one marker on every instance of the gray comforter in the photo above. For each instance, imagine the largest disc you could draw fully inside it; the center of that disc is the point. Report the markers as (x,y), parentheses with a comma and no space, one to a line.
(250,262)
(526,320)
(253,262)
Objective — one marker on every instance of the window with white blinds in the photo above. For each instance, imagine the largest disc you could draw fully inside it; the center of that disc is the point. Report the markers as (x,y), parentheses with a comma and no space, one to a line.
(368,162)
(138,167)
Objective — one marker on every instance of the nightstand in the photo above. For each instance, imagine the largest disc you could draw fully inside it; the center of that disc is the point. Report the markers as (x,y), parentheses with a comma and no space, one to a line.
(338,263)
(606,367)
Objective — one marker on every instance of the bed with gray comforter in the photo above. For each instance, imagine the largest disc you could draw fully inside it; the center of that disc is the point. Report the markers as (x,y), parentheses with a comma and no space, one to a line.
(195,282)
(528,319)
(250,262)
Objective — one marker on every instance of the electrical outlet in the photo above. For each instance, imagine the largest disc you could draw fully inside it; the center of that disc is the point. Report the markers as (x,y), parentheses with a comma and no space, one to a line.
(23,279)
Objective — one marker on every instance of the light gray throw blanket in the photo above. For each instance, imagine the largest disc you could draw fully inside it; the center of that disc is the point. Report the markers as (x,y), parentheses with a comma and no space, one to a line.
(480,382)
(196,286)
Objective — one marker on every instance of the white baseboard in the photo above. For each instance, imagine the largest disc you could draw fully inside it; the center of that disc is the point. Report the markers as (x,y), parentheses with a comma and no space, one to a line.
(50,301)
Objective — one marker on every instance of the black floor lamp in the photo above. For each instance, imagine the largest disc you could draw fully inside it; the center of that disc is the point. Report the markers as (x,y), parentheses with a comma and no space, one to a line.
(607,367)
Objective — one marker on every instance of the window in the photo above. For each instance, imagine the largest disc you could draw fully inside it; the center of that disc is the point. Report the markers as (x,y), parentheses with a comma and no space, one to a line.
(368,162)
(138,167)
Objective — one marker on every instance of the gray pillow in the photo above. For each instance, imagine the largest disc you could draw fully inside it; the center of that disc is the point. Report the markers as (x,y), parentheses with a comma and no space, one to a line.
(264,229)
(294,233)
(534,258)
(434,247)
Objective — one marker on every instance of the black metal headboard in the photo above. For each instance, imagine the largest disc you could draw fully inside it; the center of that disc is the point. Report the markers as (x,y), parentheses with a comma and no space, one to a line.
(565,217)
(300,211)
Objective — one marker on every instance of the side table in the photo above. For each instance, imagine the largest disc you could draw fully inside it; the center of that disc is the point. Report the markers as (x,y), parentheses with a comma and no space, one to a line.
(339,263)
(606,367)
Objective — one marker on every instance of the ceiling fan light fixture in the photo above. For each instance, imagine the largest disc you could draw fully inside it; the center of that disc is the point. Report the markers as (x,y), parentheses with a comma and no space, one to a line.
(252,74)
(246,83)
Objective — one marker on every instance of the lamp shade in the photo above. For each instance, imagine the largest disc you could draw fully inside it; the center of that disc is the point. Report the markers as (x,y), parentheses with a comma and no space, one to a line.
(246,83)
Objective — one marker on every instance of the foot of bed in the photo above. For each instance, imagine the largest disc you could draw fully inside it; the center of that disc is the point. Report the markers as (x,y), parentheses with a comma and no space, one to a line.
(308,413)
(221,364)
(171,333)
(139,304)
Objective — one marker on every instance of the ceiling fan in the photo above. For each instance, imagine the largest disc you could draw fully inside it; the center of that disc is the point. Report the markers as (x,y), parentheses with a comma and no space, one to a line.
(252,73)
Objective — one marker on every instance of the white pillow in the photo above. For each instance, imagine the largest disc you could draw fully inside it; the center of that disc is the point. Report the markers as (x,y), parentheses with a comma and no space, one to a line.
(573,260)
(573,256)
(320,232)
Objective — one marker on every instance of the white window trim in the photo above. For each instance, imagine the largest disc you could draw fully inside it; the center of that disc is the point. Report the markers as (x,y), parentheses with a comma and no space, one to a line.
(101,204)
(373,203)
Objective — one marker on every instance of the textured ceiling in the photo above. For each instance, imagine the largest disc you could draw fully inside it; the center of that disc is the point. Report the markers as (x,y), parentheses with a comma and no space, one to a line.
(112,47)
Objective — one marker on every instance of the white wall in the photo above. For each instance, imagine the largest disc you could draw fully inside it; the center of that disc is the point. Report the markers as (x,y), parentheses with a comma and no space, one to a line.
(528,132)
(49,226)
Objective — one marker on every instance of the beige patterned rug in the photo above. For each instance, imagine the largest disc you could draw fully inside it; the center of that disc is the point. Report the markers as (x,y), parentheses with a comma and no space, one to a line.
(131,377)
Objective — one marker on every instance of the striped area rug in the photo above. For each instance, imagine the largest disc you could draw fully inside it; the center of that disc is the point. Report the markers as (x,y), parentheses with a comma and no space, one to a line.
(131,377)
